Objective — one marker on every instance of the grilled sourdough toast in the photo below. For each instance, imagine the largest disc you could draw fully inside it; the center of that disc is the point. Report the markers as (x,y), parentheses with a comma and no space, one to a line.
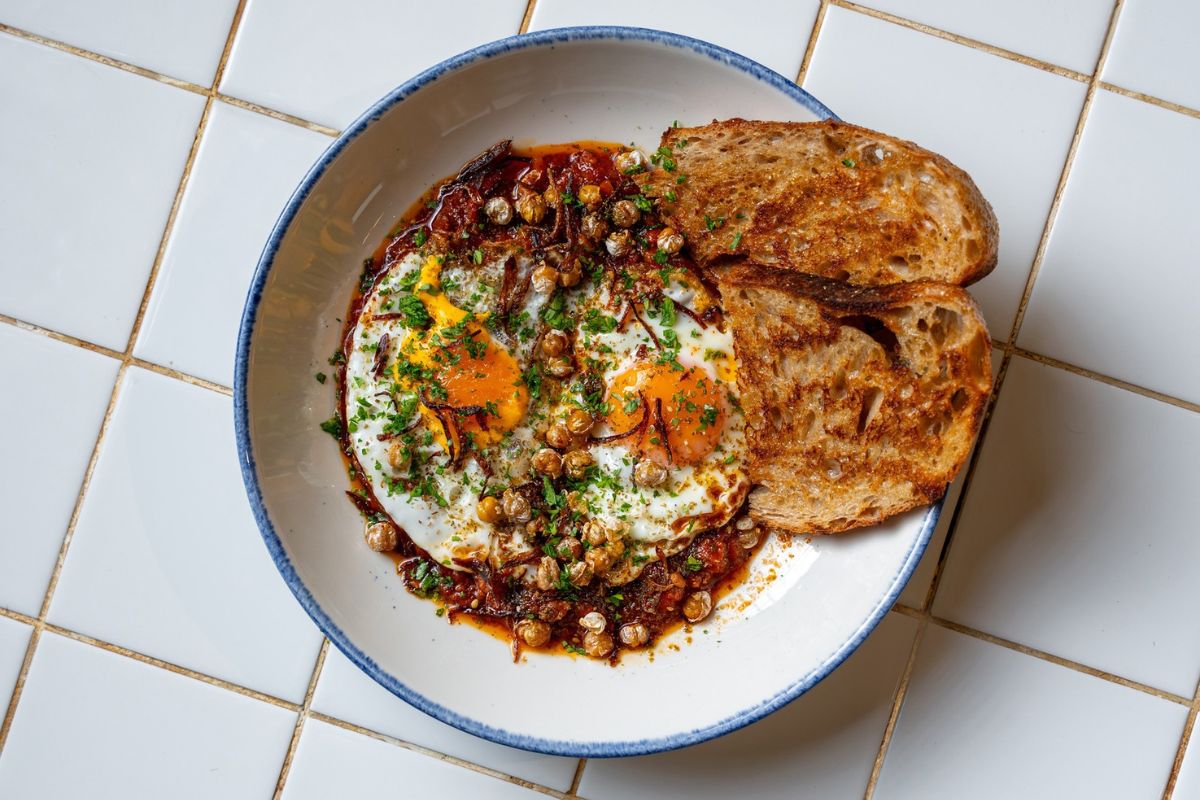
(825,198)
(860,402)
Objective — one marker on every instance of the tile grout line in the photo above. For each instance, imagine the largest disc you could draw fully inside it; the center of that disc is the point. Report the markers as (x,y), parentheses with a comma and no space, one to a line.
(1189,727)
(1006,360)
(527,17)
(811,48)
(1108,380)
(577,778)
(301,717)
(40,624)
(1151,99)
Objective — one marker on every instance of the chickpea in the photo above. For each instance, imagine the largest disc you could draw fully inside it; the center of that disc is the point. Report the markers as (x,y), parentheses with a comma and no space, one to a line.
(535,527)
(551,195)
(670,241)
(534,633)
(593,227)
(615,546)
(748,534)
(531,207)
(570,547)
(553,610)
(547,574)
(499,211)
(548,462)
(593,621)
(618,243)
(630,161)
(399,456)
(555,343)
(625,214)
(560,366)
(575,502)
(580,573)
(634,634)
(594,533)
(515,506)
(577,462)
(622,572)
(599,559)
(544,279)
(697,606)
(579,421)
(488,510)
(597,645)
(559,436)
(382,537)
(571,276)
(589,194)
(649,473)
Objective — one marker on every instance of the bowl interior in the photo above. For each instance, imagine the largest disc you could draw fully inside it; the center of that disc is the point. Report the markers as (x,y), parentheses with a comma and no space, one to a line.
(806,605)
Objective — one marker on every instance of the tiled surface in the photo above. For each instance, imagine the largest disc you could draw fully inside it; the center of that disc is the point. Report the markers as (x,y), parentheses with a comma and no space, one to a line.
(1076,532)
(178,38)
(94,724)
(54,398)
(192,319)
(79,136)
(347,693)
(1117,291)
(984,722)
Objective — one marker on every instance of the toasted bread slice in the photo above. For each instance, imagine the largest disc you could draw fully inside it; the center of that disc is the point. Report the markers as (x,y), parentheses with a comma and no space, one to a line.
(825,198)
(860,402)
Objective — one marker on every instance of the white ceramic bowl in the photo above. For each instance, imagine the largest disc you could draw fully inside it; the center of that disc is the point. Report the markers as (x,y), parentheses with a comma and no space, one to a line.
(767,644)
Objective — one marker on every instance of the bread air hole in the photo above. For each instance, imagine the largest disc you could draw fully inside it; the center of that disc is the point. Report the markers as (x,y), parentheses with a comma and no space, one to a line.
(946,325)
(833,468)
(958,400)
(871,401)
(972,249)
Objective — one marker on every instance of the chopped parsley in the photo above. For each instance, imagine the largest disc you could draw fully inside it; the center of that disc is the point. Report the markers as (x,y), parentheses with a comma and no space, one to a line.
(596,322)
(332,426)
(712,223)
(708,417)
(570,648)
(663,158)
(642,202)
(848,162)
(420,237)
(320,376)
(737,240)
(554,314)
(412,311)
(693,564)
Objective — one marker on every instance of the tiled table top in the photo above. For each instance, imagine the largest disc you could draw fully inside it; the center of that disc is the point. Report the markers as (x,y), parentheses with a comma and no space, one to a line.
(1049,644)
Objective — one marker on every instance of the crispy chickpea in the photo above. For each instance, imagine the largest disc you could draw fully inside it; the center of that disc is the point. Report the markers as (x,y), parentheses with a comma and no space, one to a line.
(630,161)
(697,606)
(649,473)
(579,421)
(597,645)
(488,510)
(531,207)
(535,527)
(515,506)
(570,547)
(593,227)
(615,546)
(634,634)
(544,279)
(571,276)
(748,533)
(580,573)
(555,343)
(593,621)
(499,211)
(625,214)
(575,502)
(399,456)
(553,611)
(560,366)
(589,194)
(548,462)
(618,243)
(559,435)
(547,574)
(577,462)
(533,632)
(599,559)
(382,537)
(594,533)
(551,195)
(670,241)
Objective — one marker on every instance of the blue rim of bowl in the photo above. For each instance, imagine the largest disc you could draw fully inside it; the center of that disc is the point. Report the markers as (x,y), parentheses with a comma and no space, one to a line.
(607,749)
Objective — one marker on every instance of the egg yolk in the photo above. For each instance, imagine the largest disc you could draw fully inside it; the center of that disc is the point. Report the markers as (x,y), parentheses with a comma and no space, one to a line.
(693,411)
(468,365)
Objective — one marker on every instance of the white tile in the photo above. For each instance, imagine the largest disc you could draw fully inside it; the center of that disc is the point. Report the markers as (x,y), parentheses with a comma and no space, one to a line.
(166,559)
(334,762)
(91,158)
(1187,786)
(1068,34)
(180,38)
(328,67)
(779,45)
(1007,124)
(98,725)
(14,639)
(821,746)
(983,722)
(347,693)
(54,401)
(1154,50)
(1117,290)
(1079,533)
(245,170)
